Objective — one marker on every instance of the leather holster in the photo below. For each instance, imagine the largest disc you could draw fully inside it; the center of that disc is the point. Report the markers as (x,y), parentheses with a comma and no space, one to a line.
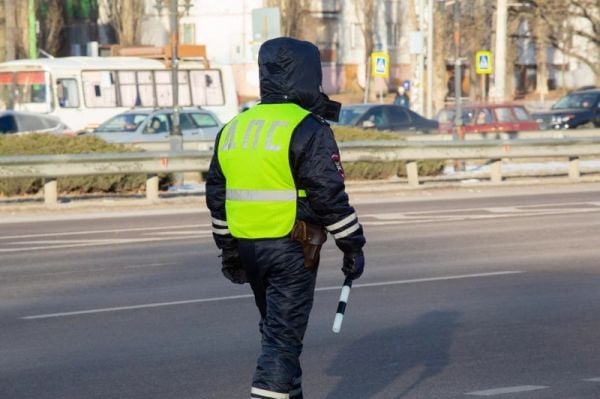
(312,238)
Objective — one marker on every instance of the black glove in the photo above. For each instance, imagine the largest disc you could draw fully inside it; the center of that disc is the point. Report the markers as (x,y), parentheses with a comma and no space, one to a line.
(232,266)
(354,264)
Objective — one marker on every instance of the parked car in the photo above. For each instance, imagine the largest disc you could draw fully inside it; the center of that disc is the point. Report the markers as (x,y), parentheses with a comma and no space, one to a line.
(385,117)
(579,109)
(21,122)
(488,119)
(145,125)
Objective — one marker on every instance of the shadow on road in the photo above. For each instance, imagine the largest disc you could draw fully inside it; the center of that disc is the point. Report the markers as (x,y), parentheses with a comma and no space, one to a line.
(370,364)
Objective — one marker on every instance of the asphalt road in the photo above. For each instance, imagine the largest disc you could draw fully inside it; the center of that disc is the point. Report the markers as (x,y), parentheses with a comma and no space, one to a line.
(463,297)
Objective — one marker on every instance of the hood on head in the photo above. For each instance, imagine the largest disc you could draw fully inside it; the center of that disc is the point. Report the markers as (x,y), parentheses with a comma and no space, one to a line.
(290,71)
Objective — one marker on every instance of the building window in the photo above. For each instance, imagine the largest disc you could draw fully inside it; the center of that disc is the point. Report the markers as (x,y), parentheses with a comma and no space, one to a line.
(392,34)
(189,34)
(355,35)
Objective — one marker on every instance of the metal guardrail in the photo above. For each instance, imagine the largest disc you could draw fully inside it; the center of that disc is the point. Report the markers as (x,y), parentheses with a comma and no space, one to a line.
(51,167)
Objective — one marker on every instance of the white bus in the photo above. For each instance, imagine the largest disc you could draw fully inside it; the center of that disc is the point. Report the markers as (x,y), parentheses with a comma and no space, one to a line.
(85,91)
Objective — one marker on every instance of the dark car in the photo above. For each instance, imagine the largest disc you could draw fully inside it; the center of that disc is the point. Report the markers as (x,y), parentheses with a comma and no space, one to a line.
(385,117)
(488,118)
(20,122)
(579,109)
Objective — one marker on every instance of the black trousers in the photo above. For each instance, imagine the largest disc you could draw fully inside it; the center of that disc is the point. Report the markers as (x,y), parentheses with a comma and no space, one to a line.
(283,291)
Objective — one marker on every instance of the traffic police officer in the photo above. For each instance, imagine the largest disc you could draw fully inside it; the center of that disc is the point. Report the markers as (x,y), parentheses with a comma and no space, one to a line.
(275,164)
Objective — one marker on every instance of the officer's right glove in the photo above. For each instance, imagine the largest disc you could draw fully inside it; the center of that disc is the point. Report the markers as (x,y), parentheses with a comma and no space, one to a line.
(354,264)
(232,266)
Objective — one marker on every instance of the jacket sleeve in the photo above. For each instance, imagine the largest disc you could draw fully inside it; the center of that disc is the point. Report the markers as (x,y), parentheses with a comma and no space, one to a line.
(215,200)
(317,167)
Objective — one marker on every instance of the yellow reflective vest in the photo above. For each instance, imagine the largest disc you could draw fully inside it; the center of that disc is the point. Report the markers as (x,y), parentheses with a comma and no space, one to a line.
(253,153)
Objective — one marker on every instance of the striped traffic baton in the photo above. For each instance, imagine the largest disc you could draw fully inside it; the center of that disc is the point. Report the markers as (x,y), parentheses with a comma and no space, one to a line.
(339,315)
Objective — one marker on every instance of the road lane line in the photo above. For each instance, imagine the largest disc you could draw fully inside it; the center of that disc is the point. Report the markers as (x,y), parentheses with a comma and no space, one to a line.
(505,390)
(85,232)
(84,271)
(226,298)
(105,242)
(595,379)
(406,218)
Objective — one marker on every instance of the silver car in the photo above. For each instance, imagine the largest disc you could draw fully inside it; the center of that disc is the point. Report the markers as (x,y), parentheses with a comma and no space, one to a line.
(154,125)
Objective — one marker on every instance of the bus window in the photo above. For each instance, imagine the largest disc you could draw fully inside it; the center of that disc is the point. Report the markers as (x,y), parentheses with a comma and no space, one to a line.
(146,88)
(183,81)
(128,89)
(207,87)
(99,88)
(6,84)
(66,92)
(32,91)
(164,92)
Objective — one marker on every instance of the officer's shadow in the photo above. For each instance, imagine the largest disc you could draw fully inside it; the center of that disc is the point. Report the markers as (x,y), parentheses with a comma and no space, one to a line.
(370,364)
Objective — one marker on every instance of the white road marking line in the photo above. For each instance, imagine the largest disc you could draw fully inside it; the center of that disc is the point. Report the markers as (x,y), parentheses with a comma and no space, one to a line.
(69,241)
(397,219)
(225,298)
(110,240)
(96,244)
(595,379)
(173,233)
(505,390)
(515,208)
(85,232)
(96,269)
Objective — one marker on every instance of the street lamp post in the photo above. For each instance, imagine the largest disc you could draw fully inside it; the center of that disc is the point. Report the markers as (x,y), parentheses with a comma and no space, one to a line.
(457,73)
(500,56)
(175,137)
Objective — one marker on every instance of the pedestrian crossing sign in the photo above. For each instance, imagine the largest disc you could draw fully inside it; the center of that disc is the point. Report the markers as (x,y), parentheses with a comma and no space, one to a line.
(380,64)
(483,62)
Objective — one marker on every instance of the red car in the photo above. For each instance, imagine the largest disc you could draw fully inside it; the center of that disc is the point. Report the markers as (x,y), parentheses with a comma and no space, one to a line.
(488,118)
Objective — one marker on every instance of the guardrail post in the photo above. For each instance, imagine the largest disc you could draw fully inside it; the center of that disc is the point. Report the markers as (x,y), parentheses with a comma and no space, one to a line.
(412,173)
(50,191)
(574,171)
(496,171)
(152,187)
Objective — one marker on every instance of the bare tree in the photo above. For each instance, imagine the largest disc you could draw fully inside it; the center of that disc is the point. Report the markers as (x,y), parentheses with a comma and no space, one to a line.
(20,30)
(365,11)
(582,13)
(52,22)
(441,32)
(570,26)
(294,15)
(126,16)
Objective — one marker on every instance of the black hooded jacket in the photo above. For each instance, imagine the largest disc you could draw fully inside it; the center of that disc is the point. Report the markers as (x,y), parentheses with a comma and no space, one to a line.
(290,71)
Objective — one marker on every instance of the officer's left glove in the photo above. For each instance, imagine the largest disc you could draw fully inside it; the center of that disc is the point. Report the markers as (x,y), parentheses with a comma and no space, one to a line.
(353,265)
(232,266)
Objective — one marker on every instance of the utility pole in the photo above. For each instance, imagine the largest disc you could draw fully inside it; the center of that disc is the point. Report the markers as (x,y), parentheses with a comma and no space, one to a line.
(500,56)
(430,5)
(457,73)
(421,60)
(175,137)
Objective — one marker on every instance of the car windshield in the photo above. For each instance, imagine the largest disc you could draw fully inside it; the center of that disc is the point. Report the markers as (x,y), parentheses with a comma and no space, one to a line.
(122,123)
(349,115)
(448,115)
(576,100)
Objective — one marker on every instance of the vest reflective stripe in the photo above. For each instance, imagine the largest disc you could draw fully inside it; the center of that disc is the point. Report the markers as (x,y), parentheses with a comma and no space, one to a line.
(256,195)
(253,153)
